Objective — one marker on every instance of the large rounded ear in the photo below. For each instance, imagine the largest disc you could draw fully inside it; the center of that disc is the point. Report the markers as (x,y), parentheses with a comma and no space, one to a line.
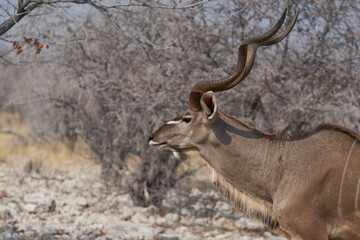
(208,104)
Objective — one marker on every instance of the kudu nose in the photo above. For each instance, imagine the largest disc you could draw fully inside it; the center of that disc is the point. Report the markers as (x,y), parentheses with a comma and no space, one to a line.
(151,137)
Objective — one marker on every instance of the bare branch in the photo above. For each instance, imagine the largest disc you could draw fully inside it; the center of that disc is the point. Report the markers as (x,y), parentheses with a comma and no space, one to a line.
(61,1)
(151,4)
(25,7)
(23,10)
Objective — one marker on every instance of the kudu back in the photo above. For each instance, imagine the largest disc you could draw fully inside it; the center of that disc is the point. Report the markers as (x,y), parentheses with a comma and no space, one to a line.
(302,188)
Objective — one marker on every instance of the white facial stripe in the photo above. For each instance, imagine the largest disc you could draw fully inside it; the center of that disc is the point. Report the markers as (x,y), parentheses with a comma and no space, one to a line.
(153,143)
(173,122)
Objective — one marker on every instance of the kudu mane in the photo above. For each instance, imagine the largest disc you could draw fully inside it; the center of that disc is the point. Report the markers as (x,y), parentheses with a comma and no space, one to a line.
(284,136)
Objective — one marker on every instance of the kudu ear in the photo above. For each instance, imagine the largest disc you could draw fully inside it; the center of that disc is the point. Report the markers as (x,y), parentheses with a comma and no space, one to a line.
(208,104)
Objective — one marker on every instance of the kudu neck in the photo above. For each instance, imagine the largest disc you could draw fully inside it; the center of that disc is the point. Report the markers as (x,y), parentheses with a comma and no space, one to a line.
(244,156)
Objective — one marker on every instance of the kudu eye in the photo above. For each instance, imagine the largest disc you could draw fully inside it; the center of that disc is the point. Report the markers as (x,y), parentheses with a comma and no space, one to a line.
(187,120)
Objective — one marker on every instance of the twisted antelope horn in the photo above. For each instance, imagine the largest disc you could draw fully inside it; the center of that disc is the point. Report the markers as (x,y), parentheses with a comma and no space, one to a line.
(246,57)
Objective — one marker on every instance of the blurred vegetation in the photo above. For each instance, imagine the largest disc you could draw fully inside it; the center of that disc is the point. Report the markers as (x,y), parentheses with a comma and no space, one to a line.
(113,75)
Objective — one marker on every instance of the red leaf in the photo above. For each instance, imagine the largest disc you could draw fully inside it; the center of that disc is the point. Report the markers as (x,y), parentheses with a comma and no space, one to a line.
(27,40)
(38,48)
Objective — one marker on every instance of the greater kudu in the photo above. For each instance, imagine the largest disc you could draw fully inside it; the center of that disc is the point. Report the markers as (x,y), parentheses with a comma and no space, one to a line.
(302,188)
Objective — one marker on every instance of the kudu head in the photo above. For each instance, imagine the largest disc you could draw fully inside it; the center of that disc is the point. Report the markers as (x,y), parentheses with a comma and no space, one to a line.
(193,127)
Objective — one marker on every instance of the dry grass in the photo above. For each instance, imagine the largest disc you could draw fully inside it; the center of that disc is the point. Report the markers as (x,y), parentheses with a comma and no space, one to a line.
(57,155)
(53,156)
(28,155)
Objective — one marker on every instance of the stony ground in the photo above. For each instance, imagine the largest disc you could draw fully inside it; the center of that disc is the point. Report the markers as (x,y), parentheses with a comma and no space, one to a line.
(40,204)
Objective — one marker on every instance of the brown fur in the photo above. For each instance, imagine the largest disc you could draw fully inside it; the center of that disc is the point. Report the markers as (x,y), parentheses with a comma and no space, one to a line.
(251,206)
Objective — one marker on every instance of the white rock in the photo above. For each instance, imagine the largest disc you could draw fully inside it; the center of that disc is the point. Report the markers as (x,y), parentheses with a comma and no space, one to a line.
(186,220)
(81,201)
(172,217)
(160,220)
(29,207)
(244,223)
(13,206)
(201,221)
(29,234)
(152,209)
(6,235)
(70,184)
(137,230)
(185,212)
(107,237)
(211,235)
(218,222)
(70,210)
(223,206)
(126,213)
(94,228)
(52,230)
(139,218)
(186,234)
(195,192)
(37,197)
(6,214)
(124,199)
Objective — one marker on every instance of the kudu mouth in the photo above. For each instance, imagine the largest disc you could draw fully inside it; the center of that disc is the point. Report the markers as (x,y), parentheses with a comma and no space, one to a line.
(159,146)
(156,144)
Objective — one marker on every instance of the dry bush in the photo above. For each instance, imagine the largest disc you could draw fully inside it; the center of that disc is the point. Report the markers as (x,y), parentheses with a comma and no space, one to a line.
(136,67)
